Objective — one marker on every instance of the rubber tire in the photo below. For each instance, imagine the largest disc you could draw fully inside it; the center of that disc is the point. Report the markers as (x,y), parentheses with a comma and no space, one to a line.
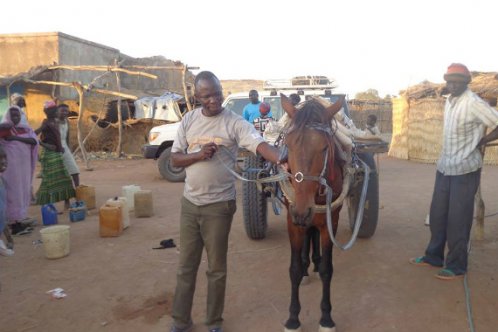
(255,205)
(371,210)
(170,173)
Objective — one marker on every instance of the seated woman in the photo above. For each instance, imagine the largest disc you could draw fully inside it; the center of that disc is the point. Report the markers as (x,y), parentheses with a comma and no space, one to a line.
(56,183)
(21,147)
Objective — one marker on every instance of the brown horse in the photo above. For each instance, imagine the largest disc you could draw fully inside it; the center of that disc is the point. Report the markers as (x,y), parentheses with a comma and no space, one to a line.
(314,171)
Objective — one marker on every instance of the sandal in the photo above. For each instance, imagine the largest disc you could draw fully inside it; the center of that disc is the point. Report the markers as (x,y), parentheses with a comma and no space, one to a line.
(420,261)
(445,274)
(25,231)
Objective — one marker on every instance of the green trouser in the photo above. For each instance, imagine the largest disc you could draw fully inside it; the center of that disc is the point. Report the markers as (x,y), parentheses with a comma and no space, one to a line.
(202,226)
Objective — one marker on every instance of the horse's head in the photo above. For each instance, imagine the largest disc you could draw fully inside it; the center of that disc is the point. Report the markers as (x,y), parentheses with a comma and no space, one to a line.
(311,152)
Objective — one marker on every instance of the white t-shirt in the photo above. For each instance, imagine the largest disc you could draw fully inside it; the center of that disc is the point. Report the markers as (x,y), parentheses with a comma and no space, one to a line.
(209,181)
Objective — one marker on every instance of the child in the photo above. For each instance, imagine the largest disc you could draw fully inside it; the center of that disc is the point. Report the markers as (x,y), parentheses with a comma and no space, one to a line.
(372,125)
(4,251)
(265,116)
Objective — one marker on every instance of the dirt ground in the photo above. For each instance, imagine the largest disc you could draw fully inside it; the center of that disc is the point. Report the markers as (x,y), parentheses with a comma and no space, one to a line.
(122,284)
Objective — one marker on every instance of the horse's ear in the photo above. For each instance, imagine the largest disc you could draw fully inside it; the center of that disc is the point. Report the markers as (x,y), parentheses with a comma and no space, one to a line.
(287,105)
(335,107)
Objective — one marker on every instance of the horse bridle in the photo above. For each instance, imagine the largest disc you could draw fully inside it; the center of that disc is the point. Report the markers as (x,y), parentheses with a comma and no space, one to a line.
(299,176)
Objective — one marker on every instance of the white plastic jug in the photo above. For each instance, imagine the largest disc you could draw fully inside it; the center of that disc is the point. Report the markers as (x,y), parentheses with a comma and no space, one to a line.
(55,241)
(129,192)
(125,212)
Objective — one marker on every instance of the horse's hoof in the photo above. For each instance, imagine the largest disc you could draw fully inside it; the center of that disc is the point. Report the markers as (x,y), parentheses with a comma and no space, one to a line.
(305,280)
(296,330)
(327,329)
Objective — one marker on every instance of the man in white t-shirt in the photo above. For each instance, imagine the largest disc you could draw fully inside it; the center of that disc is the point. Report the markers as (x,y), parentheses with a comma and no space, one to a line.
(466,117)
(208,202)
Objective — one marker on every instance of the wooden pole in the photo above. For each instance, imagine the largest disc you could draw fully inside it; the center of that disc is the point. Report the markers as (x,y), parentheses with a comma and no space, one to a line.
(81,91)
(120,118)
(185,93)
(105,68)
(8,92)
(86,87)
(179,67)
(480,208)
(91,131)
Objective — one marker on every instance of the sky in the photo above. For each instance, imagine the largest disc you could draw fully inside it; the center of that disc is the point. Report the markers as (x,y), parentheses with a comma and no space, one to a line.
(360,44)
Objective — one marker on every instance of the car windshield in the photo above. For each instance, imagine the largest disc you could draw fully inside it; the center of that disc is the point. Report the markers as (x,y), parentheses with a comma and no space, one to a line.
(236,105)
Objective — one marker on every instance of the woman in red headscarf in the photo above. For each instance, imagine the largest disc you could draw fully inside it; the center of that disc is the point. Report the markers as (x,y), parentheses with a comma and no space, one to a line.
(21,147)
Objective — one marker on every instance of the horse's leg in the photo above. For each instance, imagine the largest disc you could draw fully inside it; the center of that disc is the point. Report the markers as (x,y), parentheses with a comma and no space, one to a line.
(315,243)
(326,271)
(305,254)
(296,237)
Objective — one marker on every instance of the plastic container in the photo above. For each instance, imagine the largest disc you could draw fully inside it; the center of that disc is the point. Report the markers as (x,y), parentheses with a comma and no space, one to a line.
(55,241)
(143,204)
(123,203)
(49,214)
(87,195)
(110,220)
(77,211)
(129,192)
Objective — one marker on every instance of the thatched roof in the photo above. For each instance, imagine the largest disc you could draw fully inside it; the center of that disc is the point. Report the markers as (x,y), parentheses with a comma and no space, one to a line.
(425,89)
(483,84)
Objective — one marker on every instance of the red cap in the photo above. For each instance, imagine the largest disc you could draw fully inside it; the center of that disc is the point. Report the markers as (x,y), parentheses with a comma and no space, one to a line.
(264,108)
(458,72)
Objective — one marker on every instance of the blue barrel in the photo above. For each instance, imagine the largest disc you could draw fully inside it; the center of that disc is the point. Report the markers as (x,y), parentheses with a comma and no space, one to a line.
(49,214)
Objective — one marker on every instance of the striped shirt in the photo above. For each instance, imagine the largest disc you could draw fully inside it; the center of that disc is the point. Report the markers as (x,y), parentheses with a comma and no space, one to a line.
(466,118)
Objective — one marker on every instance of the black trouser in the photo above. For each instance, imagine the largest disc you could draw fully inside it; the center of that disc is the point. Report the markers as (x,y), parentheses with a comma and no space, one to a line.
(451,215)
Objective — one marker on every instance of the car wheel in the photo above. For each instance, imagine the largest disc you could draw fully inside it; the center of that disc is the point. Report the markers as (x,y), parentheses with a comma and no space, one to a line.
(168,171)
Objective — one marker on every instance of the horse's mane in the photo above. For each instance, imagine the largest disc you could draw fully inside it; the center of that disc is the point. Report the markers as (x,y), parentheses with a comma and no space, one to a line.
(311,112)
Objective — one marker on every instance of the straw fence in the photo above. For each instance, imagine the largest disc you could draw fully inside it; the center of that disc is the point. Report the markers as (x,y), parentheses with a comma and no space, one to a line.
(382,109)
(418,128)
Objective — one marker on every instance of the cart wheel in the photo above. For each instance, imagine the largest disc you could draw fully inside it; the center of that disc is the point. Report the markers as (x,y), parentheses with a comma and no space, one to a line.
(371,210)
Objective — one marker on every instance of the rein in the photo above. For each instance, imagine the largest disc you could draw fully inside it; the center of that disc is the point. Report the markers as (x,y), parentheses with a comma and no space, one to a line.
(282,174)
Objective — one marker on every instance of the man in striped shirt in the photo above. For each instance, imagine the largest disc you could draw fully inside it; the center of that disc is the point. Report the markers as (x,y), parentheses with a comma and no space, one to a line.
(466,118)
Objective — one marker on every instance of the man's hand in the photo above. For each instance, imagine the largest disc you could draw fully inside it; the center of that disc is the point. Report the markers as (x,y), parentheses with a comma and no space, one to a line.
(208,150)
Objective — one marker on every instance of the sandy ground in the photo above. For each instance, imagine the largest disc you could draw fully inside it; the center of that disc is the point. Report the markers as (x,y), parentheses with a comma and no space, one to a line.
(122,284)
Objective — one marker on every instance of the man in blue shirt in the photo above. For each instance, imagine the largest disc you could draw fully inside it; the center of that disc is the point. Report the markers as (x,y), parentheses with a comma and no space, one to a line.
(251,110)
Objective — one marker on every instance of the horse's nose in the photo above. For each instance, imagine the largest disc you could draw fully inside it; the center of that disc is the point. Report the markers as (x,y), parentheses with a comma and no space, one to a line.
(302,219)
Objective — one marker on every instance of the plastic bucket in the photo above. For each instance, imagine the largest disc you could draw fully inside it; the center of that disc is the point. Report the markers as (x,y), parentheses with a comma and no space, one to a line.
(55,241)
